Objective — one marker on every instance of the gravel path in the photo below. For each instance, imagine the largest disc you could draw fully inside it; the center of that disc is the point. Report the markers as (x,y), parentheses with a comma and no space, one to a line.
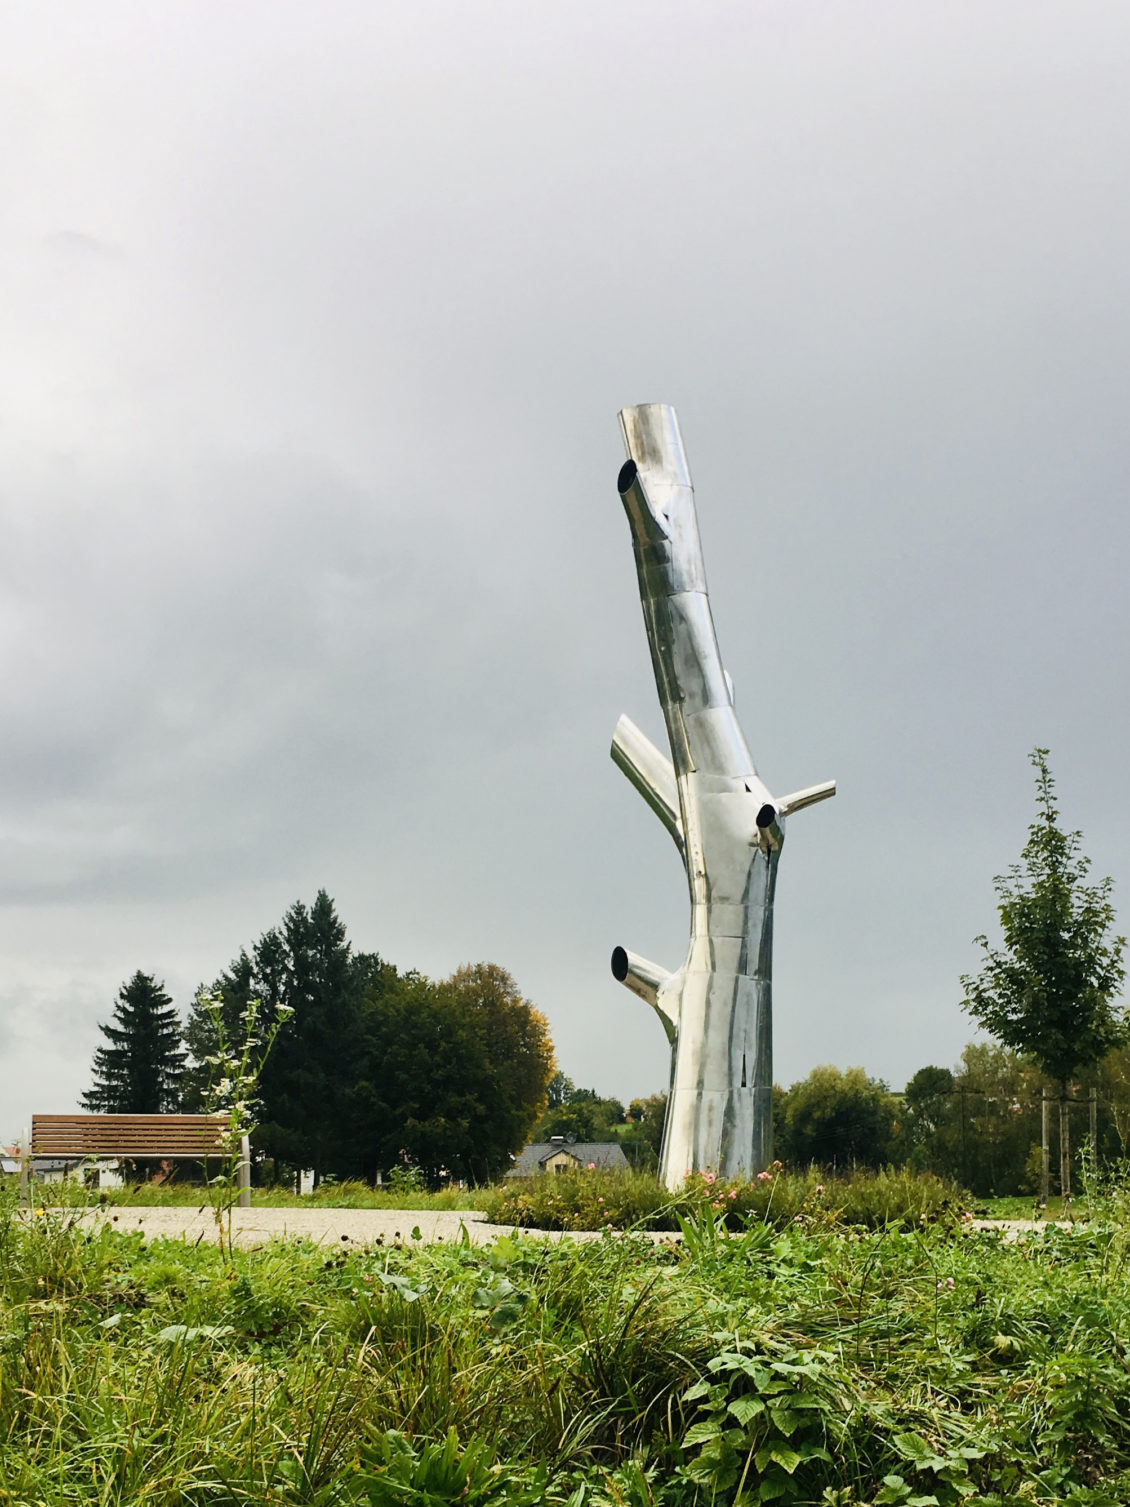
(256,1227)
(252,1227)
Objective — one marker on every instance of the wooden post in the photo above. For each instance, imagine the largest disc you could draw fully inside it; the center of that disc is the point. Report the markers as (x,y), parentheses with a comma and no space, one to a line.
(1045,1150)
(1064,1146)
(244,1173)
(25,1169)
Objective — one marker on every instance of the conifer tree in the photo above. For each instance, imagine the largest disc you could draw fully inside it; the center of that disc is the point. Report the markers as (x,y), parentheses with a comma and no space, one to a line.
(139,1072)
(305,1089)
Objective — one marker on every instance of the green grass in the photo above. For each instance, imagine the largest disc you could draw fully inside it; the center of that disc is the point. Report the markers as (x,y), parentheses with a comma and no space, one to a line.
(331,1195)
(812,1363)
(1027,1206)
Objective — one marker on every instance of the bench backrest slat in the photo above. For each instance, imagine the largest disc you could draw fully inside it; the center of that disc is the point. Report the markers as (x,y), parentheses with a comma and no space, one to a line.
(129,1135)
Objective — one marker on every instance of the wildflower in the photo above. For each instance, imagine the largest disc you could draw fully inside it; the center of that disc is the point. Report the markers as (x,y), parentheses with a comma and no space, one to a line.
(733,1193)
(764,1177)
(778,1165)
(600,1200)
(592,1167)
(708,1178)
(819,1187)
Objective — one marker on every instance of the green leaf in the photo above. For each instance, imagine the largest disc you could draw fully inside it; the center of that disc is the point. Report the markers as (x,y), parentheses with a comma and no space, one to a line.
(409,1293)
(701,1433)
(911,1446)
(815,1452)
(745,1408)
(787,1459)
(894,1489)
(176,1332)
(506,1314)
(112,1322)
(786,1420)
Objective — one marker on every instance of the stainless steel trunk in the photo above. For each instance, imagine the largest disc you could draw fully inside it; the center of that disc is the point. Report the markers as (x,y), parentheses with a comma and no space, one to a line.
(728,827)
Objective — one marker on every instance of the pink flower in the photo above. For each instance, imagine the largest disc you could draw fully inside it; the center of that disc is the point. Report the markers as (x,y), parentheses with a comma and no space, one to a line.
(592,1167)
(600,1200)
(764,1177)
(708,1178)
(733,1193)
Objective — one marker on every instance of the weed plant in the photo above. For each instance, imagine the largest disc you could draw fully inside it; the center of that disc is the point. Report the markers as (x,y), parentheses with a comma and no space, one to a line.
(815,1362)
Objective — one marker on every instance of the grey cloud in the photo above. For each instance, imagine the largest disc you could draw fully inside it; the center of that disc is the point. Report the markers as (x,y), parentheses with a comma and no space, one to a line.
(311,565)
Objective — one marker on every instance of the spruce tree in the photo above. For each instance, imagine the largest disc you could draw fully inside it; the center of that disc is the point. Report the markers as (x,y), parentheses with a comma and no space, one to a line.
(139,1072)
(308,1081)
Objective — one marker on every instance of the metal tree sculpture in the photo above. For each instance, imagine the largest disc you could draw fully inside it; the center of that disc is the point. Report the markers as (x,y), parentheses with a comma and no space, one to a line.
(717,1008)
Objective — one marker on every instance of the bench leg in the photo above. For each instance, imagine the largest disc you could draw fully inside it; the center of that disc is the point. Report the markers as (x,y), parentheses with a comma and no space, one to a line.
(244,1173)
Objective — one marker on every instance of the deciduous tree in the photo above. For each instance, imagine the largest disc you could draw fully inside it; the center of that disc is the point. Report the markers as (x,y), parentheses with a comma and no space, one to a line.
(839,1119)
(1049,990)
(456,1074)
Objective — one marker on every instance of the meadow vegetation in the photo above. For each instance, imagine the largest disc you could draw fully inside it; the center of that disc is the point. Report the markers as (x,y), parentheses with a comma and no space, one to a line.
(917,1362)
(591,1200)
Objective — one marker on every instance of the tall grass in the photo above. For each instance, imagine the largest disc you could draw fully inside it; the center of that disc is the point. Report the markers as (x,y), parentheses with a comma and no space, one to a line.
(810,1361)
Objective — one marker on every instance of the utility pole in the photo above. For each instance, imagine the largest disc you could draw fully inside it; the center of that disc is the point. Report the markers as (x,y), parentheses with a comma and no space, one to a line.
(717,1007)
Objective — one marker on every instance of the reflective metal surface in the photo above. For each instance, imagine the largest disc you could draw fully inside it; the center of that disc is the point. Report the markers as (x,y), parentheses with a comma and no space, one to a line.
(729,829)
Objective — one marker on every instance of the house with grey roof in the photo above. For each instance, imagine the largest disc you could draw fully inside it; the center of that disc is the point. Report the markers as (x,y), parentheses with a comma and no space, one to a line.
(562,1155)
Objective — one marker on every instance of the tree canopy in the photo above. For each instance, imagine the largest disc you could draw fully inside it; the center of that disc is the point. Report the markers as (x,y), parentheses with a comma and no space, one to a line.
(1049,990)
(139,1072)
(837,1119)
(456,1072)
(377,1069)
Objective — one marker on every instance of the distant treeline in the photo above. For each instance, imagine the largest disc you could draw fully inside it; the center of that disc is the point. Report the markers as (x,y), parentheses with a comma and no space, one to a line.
(979,1124)
(382,1072)
(374,1070)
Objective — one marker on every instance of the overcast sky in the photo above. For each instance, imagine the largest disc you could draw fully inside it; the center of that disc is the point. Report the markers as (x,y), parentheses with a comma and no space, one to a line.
(316,320)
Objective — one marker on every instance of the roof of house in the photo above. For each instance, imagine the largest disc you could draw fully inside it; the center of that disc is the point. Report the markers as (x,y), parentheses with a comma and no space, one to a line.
(603,1156)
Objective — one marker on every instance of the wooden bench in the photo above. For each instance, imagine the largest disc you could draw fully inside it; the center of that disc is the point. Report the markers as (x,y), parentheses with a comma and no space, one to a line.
(136,1137)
